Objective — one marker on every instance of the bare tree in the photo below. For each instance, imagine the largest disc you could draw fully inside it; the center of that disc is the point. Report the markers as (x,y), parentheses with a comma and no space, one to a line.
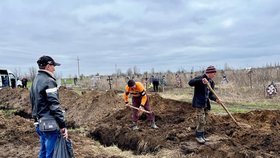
(129,72)
(136,71)
(32,73)
(119,72)
(17,72)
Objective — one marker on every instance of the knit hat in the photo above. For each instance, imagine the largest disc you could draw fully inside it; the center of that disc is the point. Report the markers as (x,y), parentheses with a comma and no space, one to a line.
(210,69)
(131,83)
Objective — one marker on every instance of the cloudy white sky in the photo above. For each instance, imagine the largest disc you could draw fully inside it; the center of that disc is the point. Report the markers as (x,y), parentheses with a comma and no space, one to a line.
(119,34)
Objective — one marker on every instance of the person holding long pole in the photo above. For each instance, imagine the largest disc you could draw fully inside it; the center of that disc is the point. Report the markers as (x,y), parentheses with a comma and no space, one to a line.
(201,102)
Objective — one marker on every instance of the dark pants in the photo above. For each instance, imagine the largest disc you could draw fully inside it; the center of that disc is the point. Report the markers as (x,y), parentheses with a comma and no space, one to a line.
(47,141)
(136,102)
(155,85)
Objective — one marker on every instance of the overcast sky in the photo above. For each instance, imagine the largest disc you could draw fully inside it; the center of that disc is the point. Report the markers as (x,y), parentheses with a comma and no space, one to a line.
(119,34)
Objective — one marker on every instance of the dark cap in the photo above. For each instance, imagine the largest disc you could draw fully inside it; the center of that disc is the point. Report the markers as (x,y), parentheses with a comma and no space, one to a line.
(210,69)
(45,60)
(131,83)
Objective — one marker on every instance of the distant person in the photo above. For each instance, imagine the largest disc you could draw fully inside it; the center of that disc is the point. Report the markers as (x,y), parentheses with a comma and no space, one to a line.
(163,81)
(201,102)
(225,80)
(46,105)
(5,81)
(139,100)
(155,83)
(178,81)
(75,80)
(19,83)
(24,82)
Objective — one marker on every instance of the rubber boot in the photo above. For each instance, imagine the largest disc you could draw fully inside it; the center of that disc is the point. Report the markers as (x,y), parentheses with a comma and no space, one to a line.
(153,125)
(203,136)
(199,137)
(134,126)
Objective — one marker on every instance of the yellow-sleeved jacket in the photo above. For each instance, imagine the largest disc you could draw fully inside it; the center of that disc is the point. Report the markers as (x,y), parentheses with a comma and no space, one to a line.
(138,91)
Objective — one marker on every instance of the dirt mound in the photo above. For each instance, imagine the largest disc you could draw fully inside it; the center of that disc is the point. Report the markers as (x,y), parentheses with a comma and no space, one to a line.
(19,140)
(90,107)
(176,132)
(17,137)
(15,99)
(105,119)
(80,110)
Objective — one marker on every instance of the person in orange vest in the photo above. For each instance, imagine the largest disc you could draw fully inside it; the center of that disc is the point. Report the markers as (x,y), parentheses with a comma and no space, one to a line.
(139,100)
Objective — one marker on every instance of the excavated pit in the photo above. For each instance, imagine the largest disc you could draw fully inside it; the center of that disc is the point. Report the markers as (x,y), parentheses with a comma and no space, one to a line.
(106,120)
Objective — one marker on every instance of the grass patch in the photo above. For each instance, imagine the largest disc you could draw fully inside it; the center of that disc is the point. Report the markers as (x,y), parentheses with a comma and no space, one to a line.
(8,113)
(67,81)
(234,104)
(78,91)
(218,109)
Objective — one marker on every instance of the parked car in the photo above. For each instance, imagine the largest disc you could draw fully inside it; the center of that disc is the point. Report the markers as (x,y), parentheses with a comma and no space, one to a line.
(7,78)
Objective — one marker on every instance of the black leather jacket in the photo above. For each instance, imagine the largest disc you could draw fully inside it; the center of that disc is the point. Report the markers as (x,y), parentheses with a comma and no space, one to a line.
(201,92)
(44,98)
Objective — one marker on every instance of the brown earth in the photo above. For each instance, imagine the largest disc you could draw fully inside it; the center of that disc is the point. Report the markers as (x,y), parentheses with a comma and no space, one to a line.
(101,116)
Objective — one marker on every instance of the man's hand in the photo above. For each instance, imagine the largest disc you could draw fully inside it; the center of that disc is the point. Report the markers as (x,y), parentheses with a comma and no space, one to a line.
(142,108)
(219,101)
(204,81)
(64,133)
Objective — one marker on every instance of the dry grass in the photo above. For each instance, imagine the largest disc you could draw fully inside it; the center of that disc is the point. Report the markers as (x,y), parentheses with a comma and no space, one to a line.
(237,99)
(114,151)
(241,94)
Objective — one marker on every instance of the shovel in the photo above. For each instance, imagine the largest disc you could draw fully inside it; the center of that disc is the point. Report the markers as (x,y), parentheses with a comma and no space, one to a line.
(234,120)
(139,109)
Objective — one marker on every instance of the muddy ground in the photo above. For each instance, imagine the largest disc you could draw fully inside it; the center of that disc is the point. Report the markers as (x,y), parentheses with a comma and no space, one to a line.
(101,117)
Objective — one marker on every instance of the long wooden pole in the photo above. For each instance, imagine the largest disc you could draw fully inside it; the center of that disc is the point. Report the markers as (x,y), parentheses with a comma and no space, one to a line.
(139,109)
(211,89)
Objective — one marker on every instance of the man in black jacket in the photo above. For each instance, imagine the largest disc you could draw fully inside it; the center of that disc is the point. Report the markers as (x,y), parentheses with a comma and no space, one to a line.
(201,102)
(46,105)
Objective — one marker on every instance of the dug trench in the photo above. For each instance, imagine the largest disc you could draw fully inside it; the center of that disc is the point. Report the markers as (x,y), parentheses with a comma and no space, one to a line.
(104,118)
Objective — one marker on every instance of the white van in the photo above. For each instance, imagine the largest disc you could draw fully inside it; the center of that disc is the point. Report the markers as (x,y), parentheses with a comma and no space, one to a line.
(7,78)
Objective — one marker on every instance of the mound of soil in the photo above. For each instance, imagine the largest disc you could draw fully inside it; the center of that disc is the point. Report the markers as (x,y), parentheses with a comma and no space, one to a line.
(92,106)
(15,99)
(17,137)
(177,125)
(79,110)
(104,118)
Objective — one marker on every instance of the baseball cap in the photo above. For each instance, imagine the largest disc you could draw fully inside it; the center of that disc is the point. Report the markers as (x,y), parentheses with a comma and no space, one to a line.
(45,60)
